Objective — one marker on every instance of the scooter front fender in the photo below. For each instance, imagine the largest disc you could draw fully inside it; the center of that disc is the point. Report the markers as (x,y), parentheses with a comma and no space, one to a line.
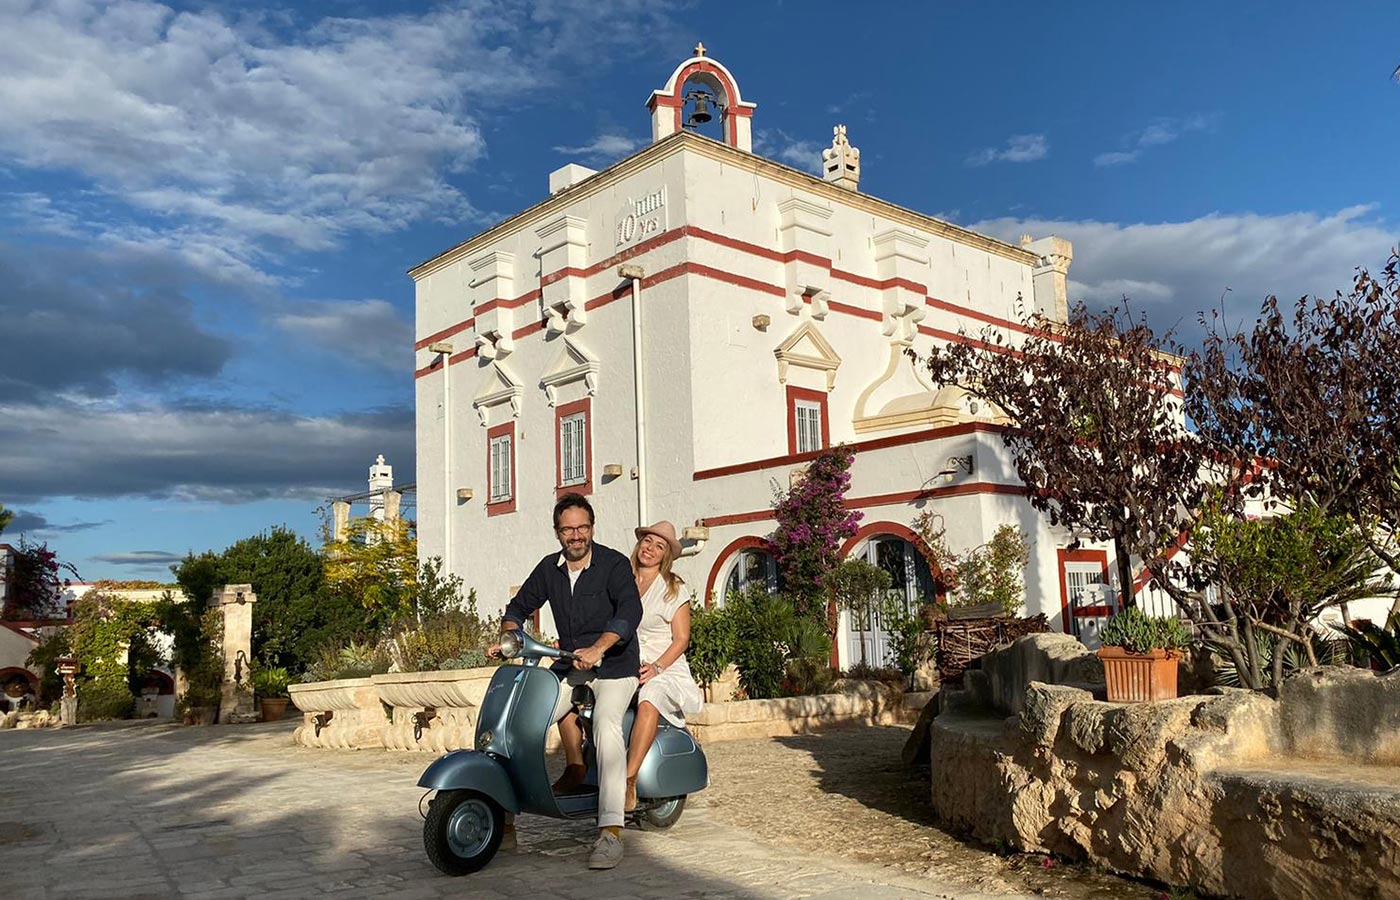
(475,771)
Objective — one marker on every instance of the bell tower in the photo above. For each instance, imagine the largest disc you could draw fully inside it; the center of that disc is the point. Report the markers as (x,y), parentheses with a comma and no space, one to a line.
(715,92)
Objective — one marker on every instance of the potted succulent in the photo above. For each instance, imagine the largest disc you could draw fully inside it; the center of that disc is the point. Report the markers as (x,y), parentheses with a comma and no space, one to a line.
(1140,654)
(270,687)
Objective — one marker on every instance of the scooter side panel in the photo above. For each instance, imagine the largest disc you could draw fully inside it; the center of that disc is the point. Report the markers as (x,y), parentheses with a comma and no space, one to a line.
(521,719)
(675,765)
(471,770)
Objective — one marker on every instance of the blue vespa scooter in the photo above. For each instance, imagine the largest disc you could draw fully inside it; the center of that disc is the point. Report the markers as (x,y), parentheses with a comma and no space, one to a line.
(506,772)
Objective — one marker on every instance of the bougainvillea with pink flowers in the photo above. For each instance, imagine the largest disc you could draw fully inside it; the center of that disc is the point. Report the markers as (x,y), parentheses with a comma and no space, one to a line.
(812,524)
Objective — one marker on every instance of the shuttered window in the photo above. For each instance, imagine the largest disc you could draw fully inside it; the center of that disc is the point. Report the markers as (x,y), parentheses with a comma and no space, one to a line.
(501,486)
(809,425)
(573,449)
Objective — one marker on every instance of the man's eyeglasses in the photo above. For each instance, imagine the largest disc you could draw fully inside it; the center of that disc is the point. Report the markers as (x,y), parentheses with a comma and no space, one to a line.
(571,530)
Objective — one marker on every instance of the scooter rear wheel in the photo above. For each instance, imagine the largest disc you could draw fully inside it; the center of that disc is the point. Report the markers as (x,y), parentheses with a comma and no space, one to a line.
(462,831)
(663,814)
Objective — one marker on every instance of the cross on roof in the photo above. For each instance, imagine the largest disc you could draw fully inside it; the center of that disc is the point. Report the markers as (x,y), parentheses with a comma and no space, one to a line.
(700,48)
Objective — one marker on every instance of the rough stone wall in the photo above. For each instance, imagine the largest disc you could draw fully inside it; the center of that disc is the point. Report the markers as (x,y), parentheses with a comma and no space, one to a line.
(1209,792)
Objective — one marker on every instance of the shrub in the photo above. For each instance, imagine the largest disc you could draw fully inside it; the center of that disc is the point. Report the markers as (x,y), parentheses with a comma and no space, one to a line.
(808,669)
(455,639)
(353,660)
(105,698)
(867,672)
(762,622)
(270,682)
(1380,646)
(1137,632)
(910,641)
(711,643)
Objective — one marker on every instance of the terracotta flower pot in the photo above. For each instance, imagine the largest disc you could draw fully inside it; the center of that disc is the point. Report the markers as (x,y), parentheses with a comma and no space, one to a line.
(1137,677)
(273,708)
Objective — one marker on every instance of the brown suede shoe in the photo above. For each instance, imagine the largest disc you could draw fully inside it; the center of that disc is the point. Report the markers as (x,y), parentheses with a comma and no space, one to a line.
(571,779)
(631,802)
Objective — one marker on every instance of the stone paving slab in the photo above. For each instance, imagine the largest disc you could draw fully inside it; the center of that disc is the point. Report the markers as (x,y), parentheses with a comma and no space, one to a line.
(233,812)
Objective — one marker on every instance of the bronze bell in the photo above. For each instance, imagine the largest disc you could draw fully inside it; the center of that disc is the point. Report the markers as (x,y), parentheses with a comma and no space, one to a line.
(702,111)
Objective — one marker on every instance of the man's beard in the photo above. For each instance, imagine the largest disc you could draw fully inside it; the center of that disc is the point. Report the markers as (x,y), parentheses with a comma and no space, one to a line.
(573,555)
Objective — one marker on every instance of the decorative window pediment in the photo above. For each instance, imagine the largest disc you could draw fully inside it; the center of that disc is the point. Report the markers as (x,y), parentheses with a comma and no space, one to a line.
(901,396)
(499,387)
(572,364)
(807,348)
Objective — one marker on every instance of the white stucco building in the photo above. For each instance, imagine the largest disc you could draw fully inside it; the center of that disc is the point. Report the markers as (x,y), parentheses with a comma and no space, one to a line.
(676,334)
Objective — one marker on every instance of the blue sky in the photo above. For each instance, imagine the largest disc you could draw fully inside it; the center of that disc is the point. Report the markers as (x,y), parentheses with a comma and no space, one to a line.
(207,209)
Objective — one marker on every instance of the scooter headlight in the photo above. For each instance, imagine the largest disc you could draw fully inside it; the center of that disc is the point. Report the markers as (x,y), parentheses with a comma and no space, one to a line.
(511,645)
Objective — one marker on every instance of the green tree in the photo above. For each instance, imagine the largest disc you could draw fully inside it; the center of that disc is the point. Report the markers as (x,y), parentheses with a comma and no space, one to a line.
(296,610)
(6,517)
(376,566)
(1096,426)
(859,587)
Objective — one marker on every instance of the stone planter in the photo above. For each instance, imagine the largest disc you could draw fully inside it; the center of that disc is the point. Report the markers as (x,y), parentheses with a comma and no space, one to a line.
(1138,677)
(433,711)
(345,714)
(859,703)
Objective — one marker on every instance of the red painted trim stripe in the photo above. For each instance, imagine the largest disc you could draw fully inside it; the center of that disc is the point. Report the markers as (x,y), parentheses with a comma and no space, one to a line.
(916,437)
(957,490)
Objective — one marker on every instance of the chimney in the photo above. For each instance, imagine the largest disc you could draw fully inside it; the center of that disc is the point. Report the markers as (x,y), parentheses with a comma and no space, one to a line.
(568,176)
(841,161)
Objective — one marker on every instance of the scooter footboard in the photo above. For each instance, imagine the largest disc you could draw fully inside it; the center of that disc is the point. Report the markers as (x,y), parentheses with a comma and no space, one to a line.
(675,766)
(471,770)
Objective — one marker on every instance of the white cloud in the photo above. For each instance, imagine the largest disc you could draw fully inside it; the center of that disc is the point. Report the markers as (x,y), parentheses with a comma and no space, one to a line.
(143,558)
(262,132)
(220,454)
(778,144)
(1019,148)
(1160,131)
(605,148)
(1173,270)
(368,330)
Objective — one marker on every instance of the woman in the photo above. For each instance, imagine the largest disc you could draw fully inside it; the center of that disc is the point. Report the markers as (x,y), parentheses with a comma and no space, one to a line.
(667,688)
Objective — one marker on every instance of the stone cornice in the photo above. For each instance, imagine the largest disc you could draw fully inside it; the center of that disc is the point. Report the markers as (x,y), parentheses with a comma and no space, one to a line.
(683,141)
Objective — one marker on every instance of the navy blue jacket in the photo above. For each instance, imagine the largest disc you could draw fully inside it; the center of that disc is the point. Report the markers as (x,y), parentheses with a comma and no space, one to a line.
(604,599)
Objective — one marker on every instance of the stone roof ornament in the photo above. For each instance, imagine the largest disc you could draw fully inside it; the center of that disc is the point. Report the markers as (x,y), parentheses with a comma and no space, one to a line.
(841,161)
(699,48)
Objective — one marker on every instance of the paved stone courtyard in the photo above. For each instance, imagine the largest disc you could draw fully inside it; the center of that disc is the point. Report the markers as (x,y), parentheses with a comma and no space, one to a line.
(155,811)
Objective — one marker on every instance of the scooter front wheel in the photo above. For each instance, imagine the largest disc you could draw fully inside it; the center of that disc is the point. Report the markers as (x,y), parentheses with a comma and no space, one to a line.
(462,831)
(662,814)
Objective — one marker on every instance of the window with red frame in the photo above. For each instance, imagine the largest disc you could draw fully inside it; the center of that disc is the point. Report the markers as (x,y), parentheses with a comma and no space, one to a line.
(574,445)
(500,469)
(807,425)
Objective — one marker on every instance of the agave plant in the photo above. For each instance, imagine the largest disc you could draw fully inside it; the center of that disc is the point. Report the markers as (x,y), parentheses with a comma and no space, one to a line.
(1380,645)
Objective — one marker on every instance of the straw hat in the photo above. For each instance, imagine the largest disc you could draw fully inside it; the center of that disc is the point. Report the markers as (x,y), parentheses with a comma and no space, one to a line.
(664,530)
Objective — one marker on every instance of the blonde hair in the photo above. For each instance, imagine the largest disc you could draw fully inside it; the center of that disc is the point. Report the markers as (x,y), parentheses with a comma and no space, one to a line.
(673,581)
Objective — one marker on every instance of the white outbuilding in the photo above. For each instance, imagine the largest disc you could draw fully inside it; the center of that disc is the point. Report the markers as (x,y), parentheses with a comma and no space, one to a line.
(676,334)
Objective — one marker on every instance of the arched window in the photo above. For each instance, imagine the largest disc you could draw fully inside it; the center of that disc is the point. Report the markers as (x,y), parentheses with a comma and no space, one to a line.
(745,563)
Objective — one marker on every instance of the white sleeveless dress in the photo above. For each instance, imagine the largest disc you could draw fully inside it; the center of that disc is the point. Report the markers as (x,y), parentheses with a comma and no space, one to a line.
(674,692)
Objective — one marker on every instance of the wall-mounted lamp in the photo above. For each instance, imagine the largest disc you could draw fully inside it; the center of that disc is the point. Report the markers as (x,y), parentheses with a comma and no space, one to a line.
(465,494)
(955,465)
(762,321)
(440,347)
(612,470)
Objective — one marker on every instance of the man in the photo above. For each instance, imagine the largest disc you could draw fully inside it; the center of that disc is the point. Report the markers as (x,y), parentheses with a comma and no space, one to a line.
(593,596)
